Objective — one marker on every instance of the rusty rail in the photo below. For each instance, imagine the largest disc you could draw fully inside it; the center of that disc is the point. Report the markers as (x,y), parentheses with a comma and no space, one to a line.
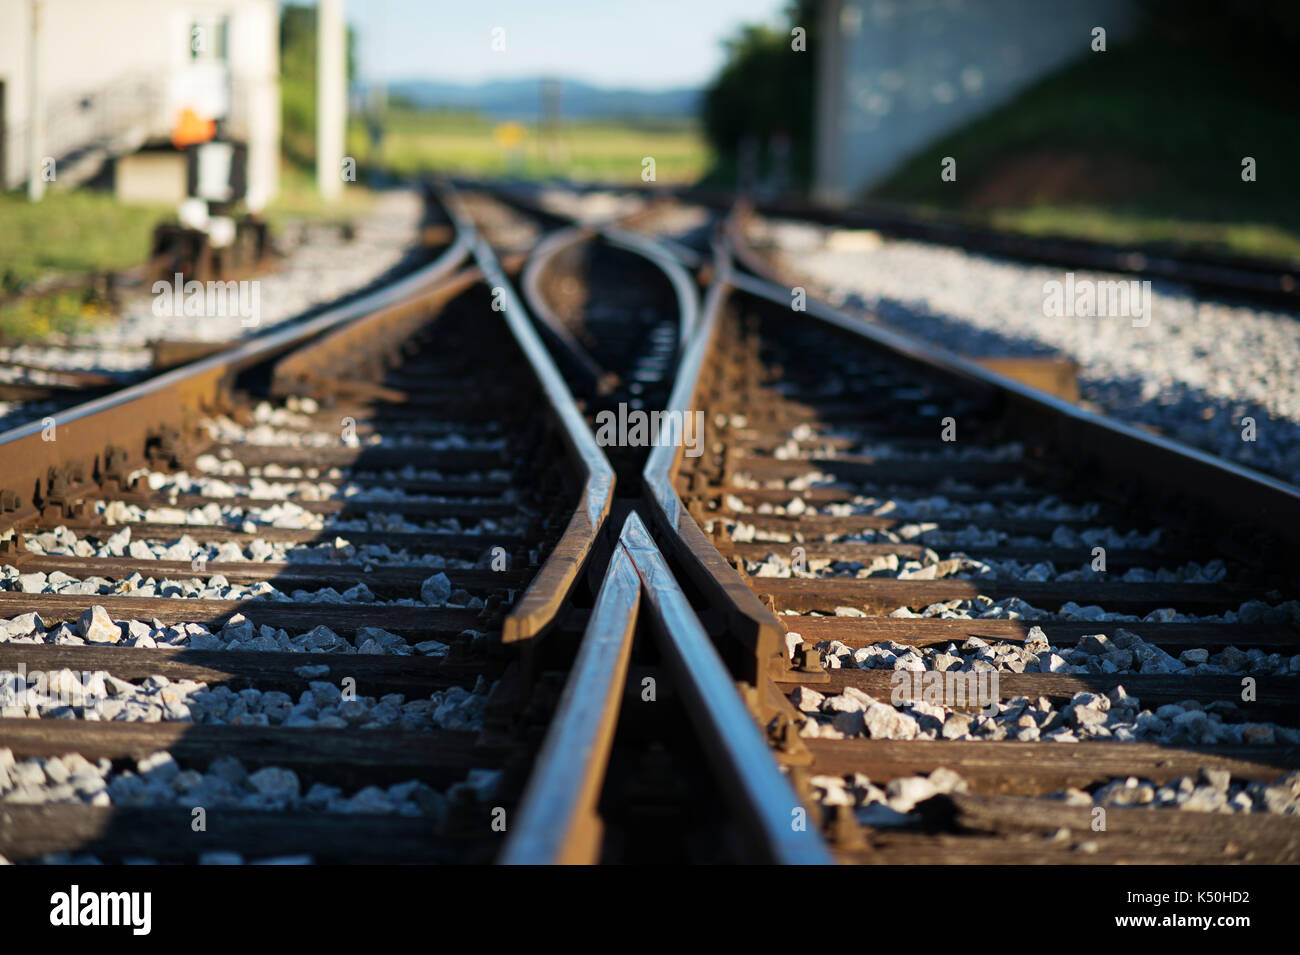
(755,625)
(557,820)
(743,763)
(101,439)
(1236,493)
(536,609)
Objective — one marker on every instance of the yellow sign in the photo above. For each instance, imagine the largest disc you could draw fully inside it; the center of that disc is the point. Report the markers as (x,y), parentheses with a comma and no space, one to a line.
(510,135)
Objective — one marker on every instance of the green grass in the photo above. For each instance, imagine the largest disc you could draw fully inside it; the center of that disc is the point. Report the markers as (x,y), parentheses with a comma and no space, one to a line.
(37,318)
(299,199)
(70,233)
(1141,143)
(64,236)
(463,143)
(1137,227)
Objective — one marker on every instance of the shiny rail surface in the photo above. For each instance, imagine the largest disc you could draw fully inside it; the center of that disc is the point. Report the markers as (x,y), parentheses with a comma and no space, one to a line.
(352,356)
(558,822)
(995,826)
(777,817)
(538,606)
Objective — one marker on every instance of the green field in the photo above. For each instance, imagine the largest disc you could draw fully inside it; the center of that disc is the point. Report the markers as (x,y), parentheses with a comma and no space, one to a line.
(467,144)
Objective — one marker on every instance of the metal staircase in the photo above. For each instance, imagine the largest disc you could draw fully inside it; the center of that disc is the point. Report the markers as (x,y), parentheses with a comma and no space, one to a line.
(84,130)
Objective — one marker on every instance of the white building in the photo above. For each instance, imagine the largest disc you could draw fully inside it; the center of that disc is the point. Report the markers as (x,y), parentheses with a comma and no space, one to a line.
(895,75)
(113,74)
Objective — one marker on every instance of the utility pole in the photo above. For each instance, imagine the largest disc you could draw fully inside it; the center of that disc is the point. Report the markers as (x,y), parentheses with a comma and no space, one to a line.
(35,111)
(549,126)
(331,96)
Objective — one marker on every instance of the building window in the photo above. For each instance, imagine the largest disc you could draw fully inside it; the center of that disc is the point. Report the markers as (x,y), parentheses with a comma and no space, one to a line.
(209,38)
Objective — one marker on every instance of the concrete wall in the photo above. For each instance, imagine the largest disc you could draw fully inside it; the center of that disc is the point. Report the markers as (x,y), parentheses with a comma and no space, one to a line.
(143,47)
(895,75)
(152,177)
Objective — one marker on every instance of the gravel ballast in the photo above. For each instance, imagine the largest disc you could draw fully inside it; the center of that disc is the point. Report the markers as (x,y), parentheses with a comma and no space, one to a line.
(97,626)
(894,804)
(1194,371)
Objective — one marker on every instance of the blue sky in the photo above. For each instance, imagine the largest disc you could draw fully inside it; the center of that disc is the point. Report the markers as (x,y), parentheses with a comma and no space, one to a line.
(648,44)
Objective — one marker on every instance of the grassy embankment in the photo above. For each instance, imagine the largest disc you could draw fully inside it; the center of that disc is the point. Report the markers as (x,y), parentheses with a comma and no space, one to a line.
(1138,144)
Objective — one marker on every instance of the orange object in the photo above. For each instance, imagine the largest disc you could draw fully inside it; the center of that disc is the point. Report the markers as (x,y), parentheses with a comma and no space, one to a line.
(190,128)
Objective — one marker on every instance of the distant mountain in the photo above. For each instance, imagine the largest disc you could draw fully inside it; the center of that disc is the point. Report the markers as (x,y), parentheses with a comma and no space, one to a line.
(521,99)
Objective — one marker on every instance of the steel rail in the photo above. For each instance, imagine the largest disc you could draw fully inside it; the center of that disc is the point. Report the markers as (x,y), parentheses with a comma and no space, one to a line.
(536,609)
(1238,493)
(646,247)
(423,281)
(661,465)
(81,436)
(557,822)
(741,758)
(1275,281)
(748,619)
(597,379)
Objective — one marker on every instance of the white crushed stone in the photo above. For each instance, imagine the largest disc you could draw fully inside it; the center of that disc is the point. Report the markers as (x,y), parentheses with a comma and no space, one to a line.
(1122,651)
(217,587)
(893,803)
(62,541)
(159,780)
(238,633)
(100,696)
(1194,372)
(1116,716)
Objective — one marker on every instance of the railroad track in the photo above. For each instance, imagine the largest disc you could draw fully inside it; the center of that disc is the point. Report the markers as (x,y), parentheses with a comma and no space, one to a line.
(38,379)
(641,651)
(628,770)
(289,614)
(1134,660)
(887,553)
(1273,281)
(397,500)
